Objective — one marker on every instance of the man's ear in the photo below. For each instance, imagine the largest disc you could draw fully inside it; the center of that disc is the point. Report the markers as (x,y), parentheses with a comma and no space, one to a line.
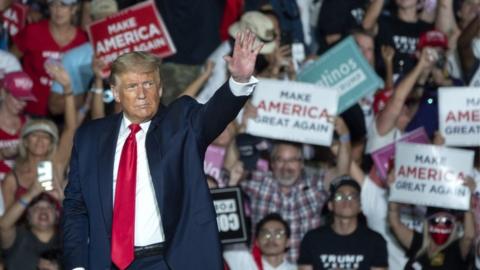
(115,93)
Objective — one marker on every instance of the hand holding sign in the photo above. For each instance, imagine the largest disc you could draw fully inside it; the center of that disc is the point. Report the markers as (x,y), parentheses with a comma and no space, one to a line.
(242,63)
(470,183)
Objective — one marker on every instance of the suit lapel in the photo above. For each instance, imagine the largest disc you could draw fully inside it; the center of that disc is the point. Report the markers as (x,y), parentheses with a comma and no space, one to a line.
(153,145)
(107,145)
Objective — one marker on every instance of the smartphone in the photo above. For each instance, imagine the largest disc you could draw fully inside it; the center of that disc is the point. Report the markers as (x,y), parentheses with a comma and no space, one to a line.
(45,174)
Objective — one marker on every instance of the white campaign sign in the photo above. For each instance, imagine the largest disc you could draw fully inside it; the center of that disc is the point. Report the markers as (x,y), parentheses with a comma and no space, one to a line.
(459,115)
(431,175)
(294,111)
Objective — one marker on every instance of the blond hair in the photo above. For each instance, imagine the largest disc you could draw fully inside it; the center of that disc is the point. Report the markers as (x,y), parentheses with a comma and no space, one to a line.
(455,235)
(31,126)
(134,62)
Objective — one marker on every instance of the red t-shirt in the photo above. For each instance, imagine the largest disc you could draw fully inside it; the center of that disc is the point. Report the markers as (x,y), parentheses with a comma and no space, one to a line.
(37,45)
(8,140)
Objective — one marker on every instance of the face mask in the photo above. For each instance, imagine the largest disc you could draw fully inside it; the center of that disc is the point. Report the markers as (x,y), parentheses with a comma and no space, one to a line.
(476,47)
(440,229)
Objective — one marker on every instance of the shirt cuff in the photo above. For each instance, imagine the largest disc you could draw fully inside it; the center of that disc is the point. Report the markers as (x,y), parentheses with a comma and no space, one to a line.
(242,89)
(78,268)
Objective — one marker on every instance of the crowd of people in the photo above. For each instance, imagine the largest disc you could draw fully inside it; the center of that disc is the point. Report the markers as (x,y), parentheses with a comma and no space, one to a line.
(307,207)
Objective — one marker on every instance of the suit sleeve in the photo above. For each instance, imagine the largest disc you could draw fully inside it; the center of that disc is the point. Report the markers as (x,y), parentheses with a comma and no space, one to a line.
(212,118)
(75,219)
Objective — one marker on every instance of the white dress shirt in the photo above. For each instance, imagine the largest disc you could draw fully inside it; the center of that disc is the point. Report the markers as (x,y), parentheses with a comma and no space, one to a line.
(148,221)
(238,257)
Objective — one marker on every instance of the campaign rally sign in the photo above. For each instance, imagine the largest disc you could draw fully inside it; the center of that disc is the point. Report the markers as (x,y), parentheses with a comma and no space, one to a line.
(293,111)
(383,156)
(344,68)
(138,28)
(15,18)
(213,162)
(432,175)
(459,115)
(230,217)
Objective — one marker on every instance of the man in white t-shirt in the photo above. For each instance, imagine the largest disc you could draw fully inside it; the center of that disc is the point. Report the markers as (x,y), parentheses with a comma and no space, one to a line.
(272,238)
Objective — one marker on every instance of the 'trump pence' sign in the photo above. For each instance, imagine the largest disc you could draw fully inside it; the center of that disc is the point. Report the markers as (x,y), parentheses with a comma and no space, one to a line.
(459,115)
(230,218)
(294,111)
(432,175)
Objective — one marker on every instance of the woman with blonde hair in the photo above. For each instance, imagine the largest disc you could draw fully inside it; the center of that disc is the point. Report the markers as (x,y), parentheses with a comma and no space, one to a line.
(40,141)
(440,245)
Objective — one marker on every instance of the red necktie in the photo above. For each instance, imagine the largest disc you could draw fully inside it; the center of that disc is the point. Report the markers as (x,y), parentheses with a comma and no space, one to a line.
(123,225)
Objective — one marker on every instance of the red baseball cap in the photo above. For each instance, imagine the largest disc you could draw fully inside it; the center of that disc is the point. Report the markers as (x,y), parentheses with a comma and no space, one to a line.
(432,38)
(19,85)
(380,100)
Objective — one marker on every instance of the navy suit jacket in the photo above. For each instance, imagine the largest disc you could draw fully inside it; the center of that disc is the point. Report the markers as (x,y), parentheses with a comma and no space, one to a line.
(176,143)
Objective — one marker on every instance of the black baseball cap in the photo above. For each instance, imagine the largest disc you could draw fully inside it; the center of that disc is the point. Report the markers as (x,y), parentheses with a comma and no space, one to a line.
(344,180)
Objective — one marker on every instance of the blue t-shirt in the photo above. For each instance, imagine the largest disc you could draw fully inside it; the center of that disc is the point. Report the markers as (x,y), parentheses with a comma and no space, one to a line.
(78,63)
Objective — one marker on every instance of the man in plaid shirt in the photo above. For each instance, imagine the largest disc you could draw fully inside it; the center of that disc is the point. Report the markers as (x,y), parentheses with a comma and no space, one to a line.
(290,190)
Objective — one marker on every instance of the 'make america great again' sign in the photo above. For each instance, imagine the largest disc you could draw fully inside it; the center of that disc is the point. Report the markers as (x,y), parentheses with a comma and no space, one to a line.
(432,175)
(138,28)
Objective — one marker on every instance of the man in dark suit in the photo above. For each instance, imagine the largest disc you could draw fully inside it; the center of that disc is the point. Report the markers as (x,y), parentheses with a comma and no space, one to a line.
(137,196)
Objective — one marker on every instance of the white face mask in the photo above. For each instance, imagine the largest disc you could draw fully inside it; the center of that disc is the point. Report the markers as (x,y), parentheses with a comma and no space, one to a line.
(476,47)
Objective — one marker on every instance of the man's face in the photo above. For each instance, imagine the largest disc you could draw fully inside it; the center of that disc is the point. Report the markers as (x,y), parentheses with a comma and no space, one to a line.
(366,45)
(287,164)
(345,202)
(139,94)
(272,238)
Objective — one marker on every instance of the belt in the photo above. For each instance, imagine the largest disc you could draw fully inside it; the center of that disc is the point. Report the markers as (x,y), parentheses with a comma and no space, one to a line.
(150,250)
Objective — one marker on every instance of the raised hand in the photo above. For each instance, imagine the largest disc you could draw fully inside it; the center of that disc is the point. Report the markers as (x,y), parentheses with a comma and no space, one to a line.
(428,57)
(388,53)
(341,127)
(59,74)
(97,66)
(241,64)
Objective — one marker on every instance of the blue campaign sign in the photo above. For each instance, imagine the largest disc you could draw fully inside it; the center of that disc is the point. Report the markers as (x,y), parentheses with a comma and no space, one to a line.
(344,68)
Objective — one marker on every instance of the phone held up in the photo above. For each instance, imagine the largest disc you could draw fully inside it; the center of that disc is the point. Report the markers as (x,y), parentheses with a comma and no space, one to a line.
(45,174)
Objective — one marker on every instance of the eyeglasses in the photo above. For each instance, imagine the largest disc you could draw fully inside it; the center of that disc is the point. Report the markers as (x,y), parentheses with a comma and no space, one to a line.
(345,197)
(267,235)
(441,220)
(287,160)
